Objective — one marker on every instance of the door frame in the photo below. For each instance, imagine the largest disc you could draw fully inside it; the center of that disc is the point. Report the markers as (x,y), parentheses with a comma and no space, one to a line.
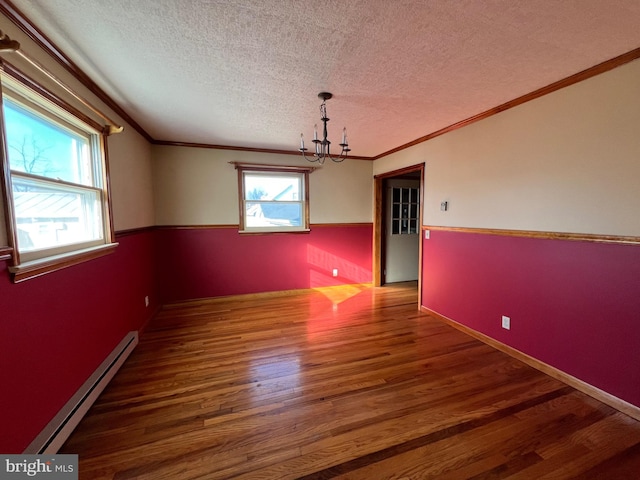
(380,223)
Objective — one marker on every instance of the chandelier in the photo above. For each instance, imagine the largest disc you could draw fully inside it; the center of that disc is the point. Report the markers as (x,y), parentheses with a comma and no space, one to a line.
(322,147)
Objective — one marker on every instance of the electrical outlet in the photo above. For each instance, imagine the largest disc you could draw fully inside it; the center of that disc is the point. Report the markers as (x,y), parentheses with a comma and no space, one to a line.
(427,234)
(506,323)
(335,272)
(146,301)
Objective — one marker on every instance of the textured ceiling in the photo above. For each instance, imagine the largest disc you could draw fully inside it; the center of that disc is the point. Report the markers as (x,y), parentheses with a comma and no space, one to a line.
(247,72)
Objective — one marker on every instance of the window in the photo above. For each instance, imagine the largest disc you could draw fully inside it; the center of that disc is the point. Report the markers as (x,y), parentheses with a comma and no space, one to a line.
(404,213)
(55,169)
(273,198)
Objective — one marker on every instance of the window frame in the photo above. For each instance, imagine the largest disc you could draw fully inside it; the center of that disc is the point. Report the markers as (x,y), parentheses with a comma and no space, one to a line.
(285,170)
(28,93)
(405,222)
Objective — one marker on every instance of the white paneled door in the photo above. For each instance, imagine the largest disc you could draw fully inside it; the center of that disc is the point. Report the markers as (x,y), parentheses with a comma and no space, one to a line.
(402,231)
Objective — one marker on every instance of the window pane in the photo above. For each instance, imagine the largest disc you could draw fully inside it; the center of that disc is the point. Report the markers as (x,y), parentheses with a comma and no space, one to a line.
(275,188)
(50,216)
(273,214)
(273,199)
(38,146)
(396,210)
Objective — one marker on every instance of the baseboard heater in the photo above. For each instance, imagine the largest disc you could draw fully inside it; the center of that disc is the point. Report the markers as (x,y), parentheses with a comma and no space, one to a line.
(60,427)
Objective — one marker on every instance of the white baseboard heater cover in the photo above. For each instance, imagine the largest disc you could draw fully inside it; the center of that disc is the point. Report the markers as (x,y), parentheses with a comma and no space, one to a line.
(60,427)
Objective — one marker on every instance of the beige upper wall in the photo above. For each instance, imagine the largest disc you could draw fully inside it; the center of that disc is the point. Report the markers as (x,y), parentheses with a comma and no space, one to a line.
(130,162)
(130,167)
(565,162)
(198,186)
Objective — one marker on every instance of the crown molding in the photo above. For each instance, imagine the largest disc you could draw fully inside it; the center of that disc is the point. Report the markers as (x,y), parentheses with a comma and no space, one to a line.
(18,18)
(554,87)
(242,149)
(34,33)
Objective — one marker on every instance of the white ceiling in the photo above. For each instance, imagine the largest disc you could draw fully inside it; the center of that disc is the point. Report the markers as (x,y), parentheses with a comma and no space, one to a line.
(247,72)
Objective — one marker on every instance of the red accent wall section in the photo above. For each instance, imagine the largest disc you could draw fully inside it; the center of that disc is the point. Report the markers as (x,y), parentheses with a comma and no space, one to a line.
(573,305)
(211,262)
(56,329)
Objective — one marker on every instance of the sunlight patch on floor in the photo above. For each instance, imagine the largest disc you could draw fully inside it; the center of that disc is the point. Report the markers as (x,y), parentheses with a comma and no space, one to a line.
(340,293)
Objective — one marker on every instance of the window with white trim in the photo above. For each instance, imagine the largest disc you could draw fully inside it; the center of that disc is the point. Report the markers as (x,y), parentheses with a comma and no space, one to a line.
(56,185)
(273,199)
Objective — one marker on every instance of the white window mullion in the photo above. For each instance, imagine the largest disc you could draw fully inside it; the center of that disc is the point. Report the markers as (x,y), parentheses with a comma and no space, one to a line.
(56,169)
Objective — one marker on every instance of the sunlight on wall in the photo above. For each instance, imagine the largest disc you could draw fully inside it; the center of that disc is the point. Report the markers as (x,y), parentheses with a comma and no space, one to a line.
(322,263)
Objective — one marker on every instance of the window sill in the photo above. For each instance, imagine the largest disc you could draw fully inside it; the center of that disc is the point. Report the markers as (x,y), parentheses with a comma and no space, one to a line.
(36,268)
(272,230)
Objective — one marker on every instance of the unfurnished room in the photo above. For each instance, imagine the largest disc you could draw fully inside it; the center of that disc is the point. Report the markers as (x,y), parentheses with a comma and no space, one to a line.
(281,239)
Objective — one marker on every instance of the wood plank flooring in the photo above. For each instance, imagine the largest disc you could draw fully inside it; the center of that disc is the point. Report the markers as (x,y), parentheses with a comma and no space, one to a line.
(347,382)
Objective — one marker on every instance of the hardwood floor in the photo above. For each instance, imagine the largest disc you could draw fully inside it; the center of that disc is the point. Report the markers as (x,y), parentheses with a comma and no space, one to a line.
(350,383)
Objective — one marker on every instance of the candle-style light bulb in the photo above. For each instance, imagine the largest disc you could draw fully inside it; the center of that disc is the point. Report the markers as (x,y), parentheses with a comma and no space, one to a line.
(315,131)
(301,141)
(344,135)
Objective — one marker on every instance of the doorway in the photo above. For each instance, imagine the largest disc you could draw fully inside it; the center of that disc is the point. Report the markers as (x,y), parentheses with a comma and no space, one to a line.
(397,249)
(401,236)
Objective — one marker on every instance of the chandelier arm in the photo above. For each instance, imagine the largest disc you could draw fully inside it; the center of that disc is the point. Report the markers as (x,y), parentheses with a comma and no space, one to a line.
(340,158)
(323,147)
(313,159)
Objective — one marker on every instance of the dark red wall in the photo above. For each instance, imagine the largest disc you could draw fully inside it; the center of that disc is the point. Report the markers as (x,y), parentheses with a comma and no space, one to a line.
(573,305)
(211,262)
(55,330)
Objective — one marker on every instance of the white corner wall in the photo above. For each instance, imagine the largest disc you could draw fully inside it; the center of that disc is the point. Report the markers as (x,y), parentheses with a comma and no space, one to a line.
(565,162)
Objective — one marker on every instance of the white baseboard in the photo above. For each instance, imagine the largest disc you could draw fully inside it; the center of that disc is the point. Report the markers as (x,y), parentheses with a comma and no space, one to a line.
(60,427)
(621,405)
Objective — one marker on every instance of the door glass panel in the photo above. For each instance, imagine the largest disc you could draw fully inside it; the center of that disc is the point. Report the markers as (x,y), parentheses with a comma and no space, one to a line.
(404,210)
